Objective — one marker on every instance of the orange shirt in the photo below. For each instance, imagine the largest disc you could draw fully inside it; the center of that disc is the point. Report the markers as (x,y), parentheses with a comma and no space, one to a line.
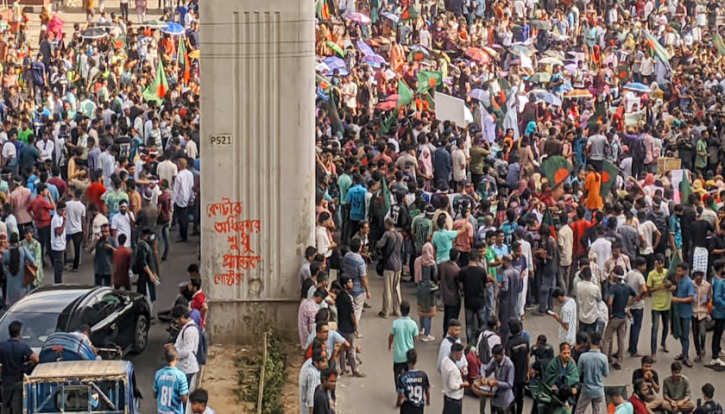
(593,185)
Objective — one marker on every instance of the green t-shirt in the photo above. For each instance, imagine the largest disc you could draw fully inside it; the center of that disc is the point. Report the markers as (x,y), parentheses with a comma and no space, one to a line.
(405,330)
(701,160)
(490,256)
(443,241)
(661,299)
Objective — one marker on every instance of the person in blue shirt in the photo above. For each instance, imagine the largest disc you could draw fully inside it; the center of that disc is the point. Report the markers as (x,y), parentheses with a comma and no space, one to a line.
(15,357)
(718,311)
(170,387)
(355,198)
(684,296)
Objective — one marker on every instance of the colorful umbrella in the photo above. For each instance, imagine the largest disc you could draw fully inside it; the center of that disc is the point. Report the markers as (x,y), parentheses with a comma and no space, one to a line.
(551,61)
(364,47)
(478,94)
(542,95)
(478,55)
(334,62)
(521,50)
(387,105)
(154,24)
(174,29)
(374,59)
(93,33)
(578,93)
(637,87)
(390,16)
(335,48)
(540,77)
(359,18)
(540,24)
(491,52)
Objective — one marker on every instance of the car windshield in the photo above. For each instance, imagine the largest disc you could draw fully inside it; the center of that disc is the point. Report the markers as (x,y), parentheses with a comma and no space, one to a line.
(36,327)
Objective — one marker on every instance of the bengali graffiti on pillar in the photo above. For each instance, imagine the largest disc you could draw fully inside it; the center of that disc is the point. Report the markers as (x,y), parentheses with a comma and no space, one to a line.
(238,232)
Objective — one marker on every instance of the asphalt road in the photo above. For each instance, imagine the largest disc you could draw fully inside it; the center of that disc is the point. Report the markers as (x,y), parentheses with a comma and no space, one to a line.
(173,272)
(376,392)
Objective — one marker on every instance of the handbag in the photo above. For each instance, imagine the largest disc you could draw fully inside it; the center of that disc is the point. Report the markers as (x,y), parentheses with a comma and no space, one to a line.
(31,273)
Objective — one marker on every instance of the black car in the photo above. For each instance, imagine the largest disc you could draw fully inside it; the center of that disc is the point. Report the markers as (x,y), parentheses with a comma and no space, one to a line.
(118,319)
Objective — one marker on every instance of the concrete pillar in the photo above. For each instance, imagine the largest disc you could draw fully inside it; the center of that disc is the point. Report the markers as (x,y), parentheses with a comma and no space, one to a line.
(258,167)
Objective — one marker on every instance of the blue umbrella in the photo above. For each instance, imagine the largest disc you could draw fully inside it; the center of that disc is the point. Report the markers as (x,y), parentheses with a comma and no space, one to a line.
(390,16)
(547,97)
(364,47)
(374,59)
(340,72)
(334,62)
(174,29)
(637,87)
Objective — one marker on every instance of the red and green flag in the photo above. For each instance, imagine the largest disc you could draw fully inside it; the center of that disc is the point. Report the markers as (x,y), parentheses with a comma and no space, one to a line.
(624,73)
(609,177)
(556,169)
(405,95)
(428,80)
(156,91)
(322,10)
(182,59)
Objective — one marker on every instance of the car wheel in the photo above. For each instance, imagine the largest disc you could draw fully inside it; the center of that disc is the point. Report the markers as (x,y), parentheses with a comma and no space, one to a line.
(141,334)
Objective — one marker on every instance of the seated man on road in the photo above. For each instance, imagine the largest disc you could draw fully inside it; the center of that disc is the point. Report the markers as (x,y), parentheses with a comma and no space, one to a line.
(676,392)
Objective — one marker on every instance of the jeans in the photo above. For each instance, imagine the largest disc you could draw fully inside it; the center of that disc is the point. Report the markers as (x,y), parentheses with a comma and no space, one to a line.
(588,328)
(57,257)
(716,337)
(103,280)
(124,11)
(182,215)
(699,331)
(518,405)
(77,239)
(450,312)
(425,325)
(164,235)
(548,282)
(637,315)
(471,314)
(44,239)
(685,337)
(12,396)
(665,316)
(451,406)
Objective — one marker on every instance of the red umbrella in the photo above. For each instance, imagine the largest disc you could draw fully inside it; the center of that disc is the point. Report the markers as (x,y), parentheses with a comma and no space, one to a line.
(478,55)
(387,105)
(394,97)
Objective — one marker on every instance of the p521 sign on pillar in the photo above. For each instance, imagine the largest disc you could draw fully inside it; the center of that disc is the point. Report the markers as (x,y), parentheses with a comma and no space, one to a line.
(219,140)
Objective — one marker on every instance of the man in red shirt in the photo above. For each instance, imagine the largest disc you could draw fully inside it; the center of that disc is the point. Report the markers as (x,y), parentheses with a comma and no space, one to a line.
(198,299)
(39,210)
(96,190)
(637,399)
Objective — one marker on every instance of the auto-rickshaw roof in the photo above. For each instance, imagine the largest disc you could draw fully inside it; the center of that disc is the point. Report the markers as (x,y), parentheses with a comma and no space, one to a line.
(81,369)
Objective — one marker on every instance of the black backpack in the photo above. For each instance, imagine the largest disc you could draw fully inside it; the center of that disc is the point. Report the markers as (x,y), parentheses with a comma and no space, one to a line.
(484,352)
(202,347)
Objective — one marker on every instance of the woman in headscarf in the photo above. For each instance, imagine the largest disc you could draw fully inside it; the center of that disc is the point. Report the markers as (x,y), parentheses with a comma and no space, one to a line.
(425,273)
(33,247)
(14,260)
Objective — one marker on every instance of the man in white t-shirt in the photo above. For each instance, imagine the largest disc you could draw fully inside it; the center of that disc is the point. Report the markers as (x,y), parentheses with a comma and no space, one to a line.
(57,240)
(122,223)
(76,213)
(167,170)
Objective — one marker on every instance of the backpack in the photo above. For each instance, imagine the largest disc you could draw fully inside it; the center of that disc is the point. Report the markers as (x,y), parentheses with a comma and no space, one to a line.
(138,262)
(203,346)
(484,351)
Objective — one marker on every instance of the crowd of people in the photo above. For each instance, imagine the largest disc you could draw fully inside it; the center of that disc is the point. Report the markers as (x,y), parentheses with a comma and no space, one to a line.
(100,159)
(517,160)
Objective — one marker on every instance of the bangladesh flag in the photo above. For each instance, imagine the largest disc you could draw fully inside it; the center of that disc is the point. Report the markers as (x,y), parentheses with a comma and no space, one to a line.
(182,59)
(322,10)
(718,43)
(410,13)
(386,194)
(609,177)
(405,95)
(685,188)
(556,169)
(428,80)
(156,91)
(624,74)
